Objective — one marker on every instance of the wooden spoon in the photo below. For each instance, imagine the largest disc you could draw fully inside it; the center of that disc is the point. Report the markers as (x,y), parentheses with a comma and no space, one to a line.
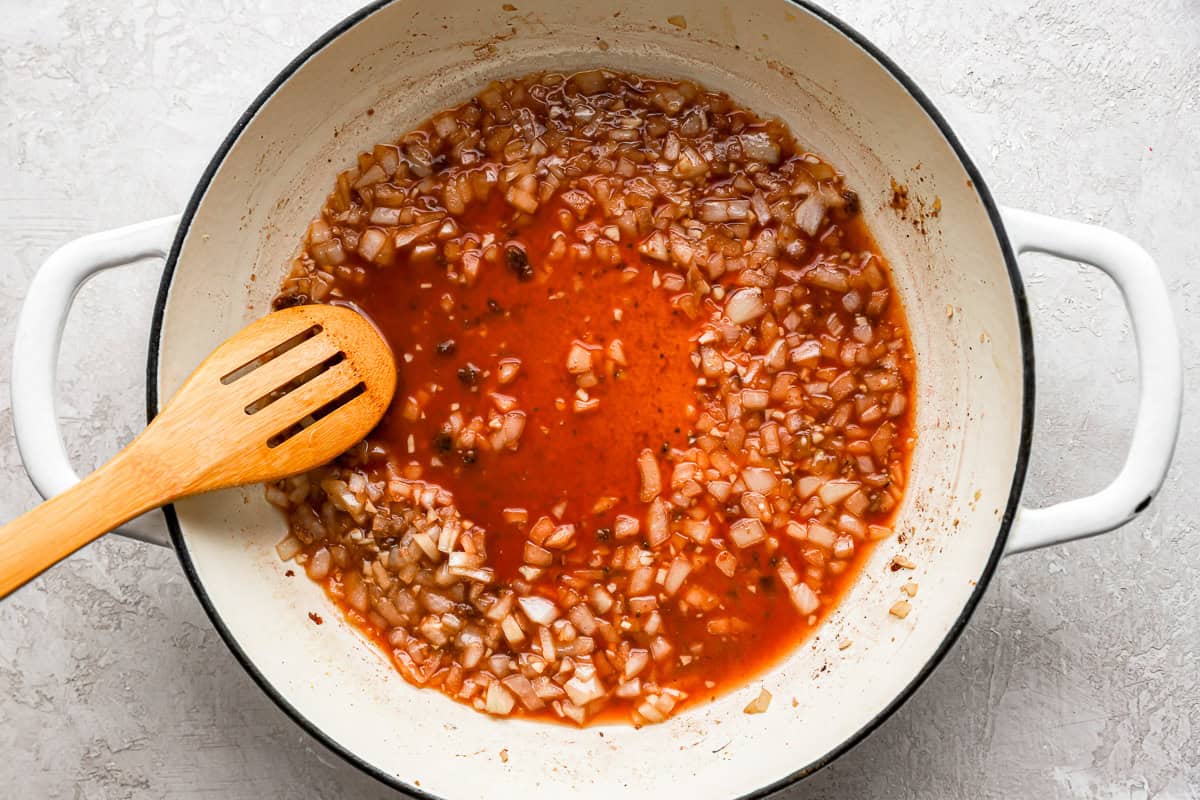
(286,394)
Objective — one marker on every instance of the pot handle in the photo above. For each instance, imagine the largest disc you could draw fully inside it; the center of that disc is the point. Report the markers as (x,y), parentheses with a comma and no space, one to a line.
(1160,374)
(39,335)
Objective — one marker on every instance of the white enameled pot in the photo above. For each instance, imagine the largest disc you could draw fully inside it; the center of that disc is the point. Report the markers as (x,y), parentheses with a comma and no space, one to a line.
(390,66)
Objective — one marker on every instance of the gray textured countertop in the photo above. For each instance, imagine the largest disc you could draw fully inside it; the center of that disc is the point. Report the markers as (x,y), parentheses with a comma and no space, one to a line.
(1077,677)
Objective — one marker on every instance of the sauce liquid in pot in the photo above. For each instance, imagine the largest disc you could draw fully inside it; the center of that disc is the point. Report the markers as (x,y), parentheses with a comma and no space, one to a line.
(828,363)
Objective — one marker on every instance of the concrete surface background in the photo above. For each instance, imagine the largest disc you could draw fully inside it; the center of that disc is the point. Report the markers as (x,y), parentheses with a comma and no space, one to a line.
(1076,678)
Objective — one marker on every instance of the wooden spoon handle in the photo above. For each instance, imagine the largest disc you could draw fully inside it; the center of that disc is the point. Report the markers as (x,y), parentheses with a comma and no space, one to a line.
(38,539)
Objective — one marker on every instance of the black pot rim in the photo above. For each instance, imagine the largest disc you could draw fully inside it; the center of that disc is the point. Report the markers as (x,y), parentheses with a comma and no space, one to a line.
(948,640)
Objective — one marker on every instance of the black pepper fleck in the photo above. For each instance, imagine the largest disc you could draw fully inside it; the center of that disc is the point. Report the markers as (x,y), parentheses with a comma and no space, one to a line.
(469,374)
(851,206)
(518,262)
(289,301)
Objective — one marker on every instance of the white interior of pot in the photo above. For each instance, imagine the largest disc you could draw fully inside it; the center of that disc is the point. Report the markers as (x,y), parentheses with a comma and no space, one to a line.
(411,59)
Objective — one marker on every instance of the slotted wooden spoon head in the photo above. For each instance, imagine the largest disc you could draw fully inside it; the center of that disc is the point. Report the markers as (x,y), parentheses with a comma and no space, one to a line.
(287,393)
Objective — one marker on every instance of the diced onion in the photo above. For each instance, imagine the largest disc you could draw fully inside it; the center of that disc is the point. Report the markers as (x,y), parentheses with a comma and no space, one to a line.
(821,536)
(834,492)
(804,598)
(538,609)
(809,214)
(745,305)
(626,527)
(637,661)
(288,548)
(657,520)
(583,690)
(760,703)
(651,478)
(499,700)
(747,532)
(759,147)
(676,575)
